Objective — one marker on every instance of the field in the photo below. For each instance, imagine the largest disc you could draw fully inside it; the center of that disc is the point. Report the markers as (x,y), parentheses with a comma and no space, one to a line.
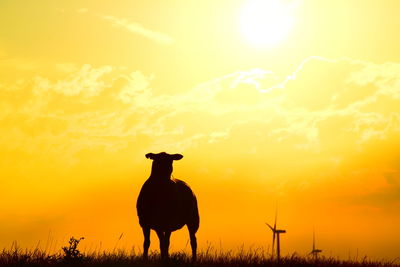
(71,256)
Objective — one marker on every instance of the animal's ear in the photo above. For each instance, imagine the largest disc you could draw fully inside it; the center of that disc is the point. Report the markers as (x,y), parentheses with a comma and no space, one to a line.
(176,156)
(150,155)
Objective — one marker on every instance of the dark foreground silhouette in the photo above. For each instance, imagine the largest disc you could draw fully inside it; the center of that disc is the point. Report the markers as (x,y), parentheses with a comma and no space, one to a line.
(166,205)
(209,258)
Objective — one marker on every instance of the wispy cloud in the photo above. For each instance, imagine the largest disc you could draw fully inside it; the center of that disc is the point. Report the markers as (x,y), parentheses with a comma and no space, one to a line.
(304,113)
(137,28)
(132,26)
(85,81)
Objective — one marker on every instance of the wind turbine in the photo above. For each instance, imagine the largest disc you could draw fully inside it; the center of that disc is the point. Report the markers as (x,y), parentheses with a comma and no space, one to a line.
(315,251)
(276,232)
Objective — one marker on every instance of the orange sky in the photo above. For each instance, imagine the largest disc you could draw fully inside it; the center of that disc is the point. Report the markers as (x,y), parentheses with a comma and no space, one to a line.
(310,123)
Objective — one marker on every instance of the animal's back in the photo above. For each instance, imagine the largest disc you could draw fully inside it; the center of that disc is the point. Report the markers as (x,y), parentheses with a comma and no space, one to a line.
(167,205)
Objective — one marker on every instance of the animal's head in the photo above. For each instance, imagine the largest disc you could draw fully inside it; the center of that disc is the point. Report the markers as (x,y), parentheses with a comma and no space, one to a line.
(162,164)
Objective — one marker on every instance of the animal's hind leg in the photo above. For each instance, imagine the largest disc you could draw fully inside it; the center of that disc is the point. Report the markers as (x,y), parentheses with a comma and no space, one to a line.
(146,243)
(193,241)
(167,235)
(163,250)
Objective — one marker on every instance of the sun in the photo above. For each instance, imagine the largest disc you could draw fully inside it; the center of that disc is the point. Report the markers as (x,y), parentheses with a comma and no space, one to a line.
(265,23)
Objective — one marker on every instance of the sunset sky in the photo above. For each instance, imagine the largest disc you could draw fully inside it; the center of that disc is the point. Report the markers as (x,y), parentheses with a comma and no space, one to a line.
(292,104)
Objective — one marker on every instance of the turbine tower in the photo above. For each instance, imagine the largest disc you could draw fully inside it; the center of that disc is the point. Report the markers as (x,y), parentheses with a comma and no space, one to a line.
(315,251)
(276,233)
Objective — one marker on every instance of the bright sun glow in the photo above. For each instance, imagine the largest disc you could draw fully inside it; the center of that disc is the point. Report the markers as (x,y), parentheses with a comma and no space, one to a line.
(265,22)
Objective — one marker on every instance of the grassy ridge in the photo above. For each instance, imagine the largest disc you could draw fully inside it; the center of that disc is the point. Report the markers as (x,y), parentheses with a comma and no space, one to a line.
(37,257)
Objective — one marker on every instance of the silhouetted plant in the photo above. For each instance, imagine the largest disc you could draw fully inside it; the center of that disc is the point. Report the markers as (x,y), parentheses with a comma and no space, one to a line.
(72,253)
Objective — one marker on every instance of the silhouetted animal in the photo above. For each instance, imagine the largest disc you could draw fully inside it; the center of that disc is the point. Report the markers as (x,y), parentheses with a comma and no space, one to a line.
(166,205)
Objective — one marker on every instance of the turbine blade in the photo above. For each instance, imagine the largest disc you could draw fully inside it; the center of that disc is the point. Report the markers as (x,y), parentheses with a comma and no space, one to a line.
(276,217)
(273,230)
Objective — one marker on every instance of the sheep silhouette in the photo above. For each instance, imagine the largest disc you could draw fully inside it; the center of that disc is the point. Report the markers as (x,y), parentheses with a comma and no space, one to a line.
(166,205)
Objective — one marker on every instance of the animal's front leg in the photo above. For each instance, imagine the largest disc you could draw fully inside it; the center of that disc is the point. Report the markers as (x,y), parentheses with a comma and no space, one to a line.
(146,243)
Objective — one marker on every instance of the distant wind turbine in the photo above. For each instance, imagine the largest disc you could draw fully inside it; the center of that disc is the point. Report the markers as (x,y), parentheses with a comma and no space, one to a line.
(315,251)
(276,232)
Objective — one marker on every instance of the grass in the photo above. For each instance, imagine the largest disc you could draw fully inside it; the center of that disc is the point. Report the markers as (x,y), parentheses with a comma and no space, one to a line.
(71,256)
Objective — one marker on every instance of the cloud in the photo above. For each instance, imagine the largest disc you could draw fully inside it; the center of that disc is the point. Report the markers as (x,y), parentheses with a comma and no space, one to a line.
(137,28)
(137,89)
(326,119)
(300,103)
(84,81)
(133,27)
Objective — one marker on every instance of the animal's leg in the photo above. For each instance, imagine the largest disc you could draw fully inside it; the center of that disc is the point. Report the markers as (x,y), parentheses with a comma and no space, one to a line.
(161,237)
(193,241)
(167,235)
(146,243)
